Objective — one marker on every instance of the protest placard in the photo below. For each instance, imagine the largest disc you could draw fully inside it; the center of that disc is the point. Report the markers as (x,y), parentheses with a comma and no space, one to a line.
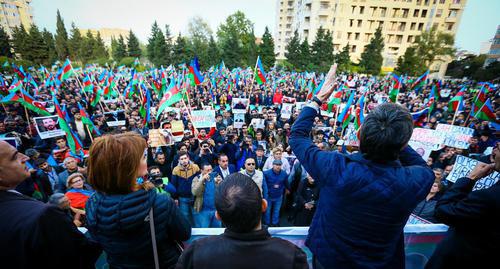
(424,141)
(286,110)
(177,130)
(203,118)
(258,123)
(455,136)
(463,166)
(48,127)
(115,118)
(239,120)
(239,105)
(351,136)
(289,100)
(159,137)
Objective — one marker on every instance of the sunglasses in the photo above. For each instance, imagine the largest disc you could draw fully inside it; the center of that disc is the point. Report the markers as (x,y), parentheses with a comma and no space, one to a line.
(250,164)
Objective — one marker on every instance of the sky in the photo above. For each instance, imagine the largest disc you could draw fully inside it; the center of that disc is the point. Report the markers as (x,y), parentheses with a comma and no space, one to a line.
(478,24)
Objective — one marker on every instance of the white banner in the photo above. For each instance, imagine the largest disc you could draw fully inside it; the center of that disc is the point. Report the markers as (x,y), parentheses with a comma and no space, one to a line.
(455,136)
(463,166)
(203,118)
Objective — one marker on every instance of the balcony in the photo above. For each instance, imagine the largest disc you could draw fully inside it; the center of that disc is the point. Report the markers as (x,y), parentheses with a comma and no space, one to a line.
(451,19)
(324,11)
(456,6)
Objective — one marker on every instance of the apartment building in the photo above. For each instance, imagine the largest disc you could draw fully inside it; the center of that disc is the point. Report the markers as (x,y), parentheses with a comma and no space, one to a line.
(494,52)
(354,22)
(14,13)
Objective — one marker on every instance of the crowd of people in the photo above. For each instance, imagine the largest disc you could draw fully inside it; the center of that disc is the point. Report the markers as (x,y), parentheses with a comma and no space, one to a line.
(117,177)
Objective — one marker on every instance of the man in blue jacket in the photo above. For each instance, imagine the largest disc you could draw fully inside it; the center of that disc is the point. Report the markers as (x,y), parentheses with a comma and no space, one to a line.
(276,180)
(366,197)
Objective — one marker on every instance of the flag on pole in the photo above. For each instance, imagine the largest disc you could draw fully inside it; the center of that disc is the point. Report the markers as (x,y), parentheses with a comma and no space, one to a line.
(194,72)
(347,109)
(74,142)
(456,103)
(259,73)
(420,82)
(419,117)
(486,112)
(67,70)
(86,120)
(17,85)
(172,96)
(393,93)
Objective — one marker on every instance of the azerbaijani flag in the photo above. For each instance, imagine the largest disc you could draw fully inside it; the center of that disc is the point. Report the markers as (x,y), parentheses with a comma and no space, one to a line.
(393,93)
(16,86)
(86,120)
(172,96)
(67,71)
(27,101)
(96,97)
(87,84)
(346,113)
(259,73)
(457,101)
(486,112)
(336,99)
(194,72)
(74,142)
(420,82)
(316,90)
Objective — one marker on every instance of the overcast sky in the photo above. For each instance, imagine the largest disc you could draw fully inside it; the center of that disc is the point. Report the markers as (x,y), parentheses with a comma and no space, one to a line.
(478,23)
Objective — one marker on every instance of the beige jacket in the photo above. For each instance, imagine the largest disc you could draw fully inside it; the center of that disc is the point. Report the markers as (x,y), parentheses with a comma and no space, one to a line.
(198,189)
(258,178)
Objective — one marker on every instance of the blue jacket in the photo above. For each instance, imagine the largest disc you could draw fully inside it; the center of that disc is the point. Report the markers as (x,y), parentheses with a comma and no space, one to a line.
(276,184)
(363,205)
(120,224)
(230,167)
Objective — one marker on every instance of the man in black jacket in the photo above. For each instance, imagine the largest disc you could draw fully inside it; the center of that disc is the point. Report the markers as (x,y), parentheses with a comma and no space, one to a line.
(34,234)
(473,240)
(244,243)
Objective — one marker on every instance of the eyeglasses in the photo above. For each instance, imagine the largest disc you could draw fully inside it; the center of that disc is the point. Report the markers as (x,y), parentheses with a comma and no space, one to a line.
(76,181)
(250,164)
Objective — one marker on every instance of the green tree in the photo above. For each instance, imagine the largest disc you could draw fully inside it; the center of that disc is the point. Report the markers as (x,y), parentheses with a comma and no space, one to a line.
(343,59)
(238,27)
(48,39)
(304,60)
(181,52)
(100,51)
(322,50)
(213,52)
(266,50)
(5,49)
(293,50)
(152,53)
(133,45)
(61,38)
(231,51)
(409,63)
(75,43)
(20,40)
(466,67)
(160,48)
(490,72)
(371,58)
(88,47)
(36,50)
(119,50)
(168,45)
(199,33)
(433,46)
(250,50)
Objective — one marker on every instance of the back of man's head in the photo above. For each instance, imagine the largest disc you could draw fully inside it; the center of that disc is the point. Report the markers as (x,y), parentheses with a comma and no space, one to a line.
(239,203)
(385,131)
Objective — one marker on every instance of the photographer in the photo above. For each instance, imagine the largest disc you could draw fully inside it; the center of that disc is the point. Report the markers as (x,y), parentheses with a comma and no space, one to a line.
(203,189)
(162,185)
(206,154)
(246,151)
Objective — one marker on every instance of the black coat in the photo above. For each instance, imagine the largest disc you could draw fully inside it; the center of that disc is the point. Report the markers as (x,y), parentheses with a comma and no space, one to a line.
(473,240)
(37,235)
(235,250)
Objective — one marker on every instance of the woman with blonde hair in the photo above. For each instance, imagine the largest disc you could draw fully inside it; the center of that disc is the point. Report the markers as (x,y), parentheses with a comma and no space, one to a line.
(136,227)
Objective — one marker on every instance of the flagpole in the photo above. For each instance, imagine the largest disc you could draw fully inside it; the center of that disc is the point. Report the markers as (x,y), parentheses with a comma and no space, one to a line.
(475,99)
(27,116)
(90,133)
(455,115)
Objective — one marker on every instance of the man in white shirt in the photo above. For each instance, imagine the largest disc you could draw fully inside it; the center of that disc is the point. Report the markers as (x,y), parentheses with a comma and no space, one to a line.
(224,169)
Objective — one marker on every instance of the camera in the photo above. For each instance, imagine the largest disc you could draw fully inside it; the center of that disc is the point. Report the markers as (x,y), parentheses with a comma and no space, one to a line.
(155,178)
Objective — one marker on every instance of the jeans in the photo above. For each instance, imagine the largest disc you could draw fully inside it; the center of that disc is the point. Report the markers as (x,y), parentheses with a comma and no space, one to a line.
(273,207)
(186,208)
(206,219)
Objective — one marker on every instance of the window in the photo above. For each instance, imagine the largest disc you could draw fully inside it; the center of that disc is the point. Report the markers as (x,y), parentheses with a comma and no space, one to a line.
(395,13)
(424,13)
(356,36)
(399,39)
(405,12)
(402,26)
(351,23)
(412,26)
(367,37)
(353,8)
(374,9)
(452,14)
(456,1)
(361,10)
(439,13)
(353,48)
(449,26)
(409,39)
(360,22)
(442,1)
(435,25)
(349,36)
(421,26)
(415,12)
(382,11)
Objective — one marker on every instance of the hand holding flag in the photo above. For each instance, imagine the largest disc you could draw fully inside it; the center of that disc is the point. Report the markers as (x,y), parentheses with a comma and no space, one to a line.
(328,85)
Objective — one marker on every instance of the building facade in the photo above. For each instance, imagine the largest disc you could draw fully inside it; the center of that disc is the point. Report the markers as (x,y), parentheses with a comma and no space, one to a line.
(14,13)
(494,52)
(354,22)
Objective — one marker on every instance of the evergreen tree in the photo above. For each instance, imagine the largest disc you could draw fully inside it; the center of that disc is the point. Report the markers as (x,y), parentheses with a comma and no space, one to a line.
(238,27)
(160,50)
(343,59)
(118,48)
(35,49)
(371,58)
(328,57)
(5,49)
(409,63)
(19,40)
(133,45)
(180,51)
(48,39)
(61,39)
(100,50)
(322,51)
(75,43)
(266,50)
(250,50)
(88,46)
(304,60)
(213,52)
(152,42)
(168,45)
(293,50)
(231,51)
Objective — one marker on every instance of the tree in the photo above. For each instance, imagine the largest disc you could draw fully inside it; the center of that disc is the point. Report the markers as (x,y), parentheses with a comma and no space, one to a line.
(238,27)
(433,46)
(100,50)
(5,48)
(118,48)
(490,72)
(231,51)
(151,42)
(304,60)
(168,45)
(409,63)
(75,43)
(180,51)
(322,50)
(88,46)
(213,52)
(266,50)
(20,40)
(371,58)
(160,50)
(250,50)
(343,59)
(48,39)
(199,33)
(133,45)
(466,67)
(61,39)
(292,53)
(36,50)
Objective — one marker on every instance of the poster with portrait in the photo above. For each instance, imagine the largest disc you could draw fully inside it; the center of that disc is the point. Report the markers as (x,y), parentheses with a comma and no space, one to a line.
(238,120)
(424,141)
(258,123)
(239,105)
(177,130)
(160,137)
(48,127)
(115,118)
(286,110)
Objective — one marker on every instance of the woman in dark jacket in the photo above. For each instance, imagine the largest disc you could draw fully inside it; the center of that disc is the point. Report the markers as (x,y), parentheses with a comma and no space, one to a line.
(425,209)
(118,214)
(307,196)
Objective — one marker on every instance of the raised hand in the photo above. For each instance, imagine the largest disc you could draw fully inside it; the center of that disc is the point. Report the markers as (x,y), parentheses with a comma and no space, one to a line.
(328,85)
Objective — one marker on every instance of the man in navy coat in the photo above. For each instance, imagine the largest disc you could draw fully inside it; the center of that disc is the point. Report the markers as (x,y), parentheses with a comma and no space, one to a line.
(224,169)
(367,197)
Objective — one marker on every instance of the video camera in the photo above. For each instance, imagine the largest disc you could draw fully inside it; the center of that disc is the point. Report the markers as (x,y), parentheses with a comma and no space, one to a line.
(155,178)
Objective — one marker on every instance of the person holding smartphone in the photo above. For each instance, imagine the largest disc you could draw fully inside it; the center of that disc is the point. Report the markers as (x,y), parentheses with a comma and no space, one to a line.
(203,189)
